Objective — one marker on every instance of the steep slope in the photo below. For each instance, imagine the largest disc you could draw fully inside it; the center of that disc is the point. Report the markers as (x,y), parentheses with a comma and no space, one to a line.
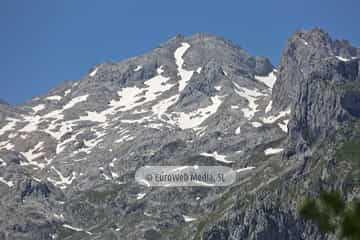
(68,158)
(318,78)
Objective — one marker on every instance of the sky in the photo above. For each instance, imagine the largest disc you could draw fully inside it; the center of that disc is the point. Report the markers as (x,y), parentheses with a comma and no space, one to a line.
(43,43)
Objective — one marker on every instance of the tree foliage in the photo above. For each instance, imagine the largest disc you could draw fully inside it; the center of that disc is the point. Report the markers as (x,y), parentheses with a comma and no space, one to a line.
(333,215)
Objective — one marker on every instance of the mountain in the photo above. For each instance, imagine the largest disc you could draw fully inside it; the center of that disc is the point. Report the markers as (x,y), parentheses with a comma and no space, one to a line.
(68,158)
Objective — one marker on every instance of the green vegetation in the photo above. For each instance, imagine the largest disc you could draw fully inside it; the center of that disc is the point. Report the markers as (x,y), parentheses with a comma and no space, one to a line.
(334,215)
(350,152)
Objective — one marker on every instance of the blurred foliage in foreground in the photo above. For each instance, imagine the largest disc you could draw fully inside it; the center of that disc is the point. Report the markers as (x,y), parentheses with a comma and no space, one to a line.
(334,215)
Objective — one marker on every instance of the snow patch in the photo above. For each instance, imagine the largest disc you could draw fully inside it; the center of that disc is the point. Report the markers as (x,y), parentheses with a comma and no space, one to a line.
(33,154)
(284,125)
(55,98)
(138,68)
(268,80)
(272,151)
(67,92)
(140,196)
(256,124)
(38,108)
(185,75)
(8,183)
(342,59)
(268,107)
(251,96)
(94,117)
(9,126)
(93,73)
(274,118)
(76,229)
(238,130)
(304,42)
(63,180)
(75,100)
(131,97)
(2,163)
(188,219)
(195,118)
(218,157)
(244,169)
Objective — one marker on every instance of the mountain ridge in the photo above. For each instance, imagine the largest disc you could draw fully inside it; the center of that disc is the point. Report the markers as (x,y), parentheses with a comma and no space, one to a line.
(68,158)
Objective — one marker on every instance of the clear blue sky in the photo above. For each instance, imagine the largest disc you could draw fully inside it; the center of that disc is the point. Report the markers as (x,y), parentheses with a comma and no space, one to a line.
(44,42)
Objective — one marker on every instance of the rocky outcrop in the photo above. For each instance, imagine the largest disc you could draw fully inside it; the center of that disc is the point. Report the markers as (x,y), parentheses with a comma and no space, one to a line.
(314,77)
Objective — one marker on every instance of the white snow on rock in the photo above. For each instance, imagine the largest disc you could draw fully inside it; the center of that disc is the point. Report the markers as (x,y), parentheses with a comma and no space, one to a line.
(238,131)
(188,219)
(342,59)
(107,178)
(234,107)
(93,73)
(12,135)
(244,169)
(274,118)
(251,96)
(63,180)
(55,98)
(272,151)
(124,137)
(140,196)
(2,163)
(284,125)
(268,107)
(268,80)
(198,70)
(185,75)
(161,107)
(225,73)
(33,154)
(114,175)
(147,214)
(138,68)
(218,88)
(76,229)
(8,183)
(38,108)
(67,92)
(75,100)
(131,97)
(94,117)
(32,125)
(195,118)
(61,146)
(304,42)
(9,126)
(218,157)
(256,124)
(200,131)
(6,145)
(90,144)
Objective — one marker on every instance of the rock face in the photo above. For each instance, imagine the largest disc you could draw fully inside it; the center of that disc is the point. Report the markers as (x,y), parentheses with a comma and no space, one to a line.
(68,158)
(315,75)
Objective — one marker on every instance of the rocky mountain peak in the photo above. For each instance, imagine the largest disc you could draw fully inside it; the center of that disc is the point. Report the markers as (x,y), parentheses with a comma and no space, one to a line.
(70,156)
(311,80)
